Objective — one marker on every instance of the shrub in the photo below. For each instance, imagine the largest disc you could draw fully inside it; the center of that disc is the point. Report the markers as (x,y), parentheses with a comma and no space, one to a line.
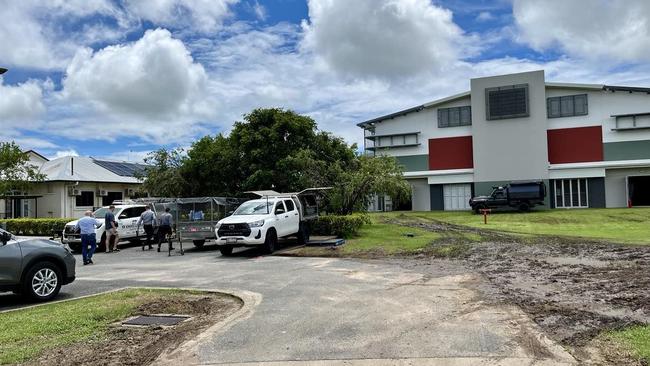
(344,226)
(29,226)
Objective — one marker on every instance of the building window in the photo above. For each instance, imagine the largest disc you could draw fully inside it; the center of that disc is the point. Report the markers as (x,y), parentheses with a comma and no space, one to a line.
(507,102)
(456,116)
(85,199)
(571,193)
(567,106)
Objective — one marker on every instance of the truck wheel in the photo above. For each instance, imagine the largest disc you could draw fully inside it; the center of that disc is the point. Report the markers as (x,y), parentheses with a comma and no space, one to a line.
(42,281)
(198,243)
(270,241)
(226,250)
(524,207)
(303,234)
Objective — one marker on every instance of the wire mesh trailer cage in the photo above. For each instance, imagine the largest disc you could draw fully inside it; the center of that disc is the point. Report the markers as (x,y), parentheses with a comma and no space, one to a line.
(197,216)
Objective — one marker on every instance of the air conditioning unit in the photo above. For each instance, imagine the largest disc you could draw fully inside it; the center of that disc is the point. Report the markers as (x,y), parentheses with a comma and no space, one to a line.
(129,192)
(72,191)
(102,193)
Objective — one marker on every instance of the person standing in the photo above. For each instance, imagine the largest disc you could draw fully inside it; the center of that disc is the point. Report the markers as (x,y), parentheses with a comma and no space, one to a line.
(147,219)
(111,230)
(87,226)
(165,227)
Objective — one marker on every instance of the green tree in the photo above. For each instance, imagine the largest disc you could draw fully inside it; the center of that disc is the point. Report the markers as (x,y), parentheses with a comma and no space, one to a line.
(16,172)
(369,176)
(162,177)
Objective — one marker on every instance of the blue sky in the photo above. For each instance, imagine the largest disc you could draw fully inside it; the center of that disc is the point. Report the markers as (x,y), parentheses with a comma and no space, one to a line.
(119,78)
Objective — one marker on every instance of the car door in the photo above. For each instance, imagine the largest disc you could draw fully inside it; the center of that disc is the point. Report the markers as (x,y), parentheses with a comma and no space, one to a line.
(281,217)
(293,219)
(11,259)
(128,220)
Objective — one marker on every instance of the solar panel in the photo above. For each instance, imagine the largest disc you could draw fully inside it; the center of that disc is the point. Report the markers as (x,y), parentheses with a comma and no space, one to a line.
(121,169)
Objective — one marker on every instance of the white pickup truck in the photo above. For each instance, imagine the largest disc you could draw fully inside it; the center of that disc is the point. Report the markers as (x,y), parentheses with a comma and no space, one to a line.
(260,222)
(127,218)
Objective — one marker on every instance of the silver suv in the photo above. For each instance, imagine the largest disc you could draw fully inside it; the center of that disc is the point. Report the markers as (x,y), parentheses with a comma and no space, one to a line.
(36,268)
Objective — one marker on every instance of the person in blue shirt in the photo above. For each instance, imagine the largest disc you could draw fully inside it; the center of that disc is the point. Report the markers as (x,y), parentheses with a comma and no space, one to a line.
(87,225)
(111,230)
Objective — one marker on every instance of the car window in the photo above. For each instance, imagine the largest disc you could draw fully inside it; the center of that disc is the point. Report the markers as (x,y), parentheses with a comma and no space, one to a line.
(257,207)
(279,205)
(289,204)
(131,212)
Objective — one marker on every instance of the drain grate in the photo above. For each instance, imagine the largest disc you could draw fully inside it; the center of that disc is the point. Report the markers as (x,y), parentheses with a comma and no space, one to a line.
(156,320)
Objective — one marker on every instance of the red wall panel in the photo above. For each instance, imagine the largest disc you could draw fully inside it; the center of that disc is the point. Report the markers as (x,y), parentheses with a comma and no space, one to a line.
(451,153)
(575,145)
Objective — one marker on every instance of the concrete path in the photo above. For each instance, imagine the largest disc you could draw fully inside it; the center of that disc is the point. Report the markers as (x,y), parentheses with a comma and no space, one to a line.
(316,311)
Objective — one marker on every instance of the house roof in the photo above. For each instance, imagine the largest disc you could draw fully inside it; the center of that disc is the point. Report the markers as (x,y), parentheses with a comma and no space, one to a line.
(83,169)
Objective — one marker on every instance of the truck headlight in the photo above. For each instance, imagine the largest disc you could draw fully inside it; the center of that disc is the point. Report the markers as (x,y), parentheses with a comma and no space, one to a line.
(256,223)
(217,226)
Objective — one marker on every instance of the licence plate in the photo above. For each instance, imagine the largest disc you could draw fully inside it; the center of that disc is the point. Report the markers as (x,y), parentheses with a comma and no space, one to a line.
(231,240)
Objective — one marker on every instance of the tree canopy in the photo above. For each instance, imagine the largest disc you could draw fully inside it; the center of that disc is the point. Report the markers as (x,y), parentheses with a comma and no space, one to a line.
(273,149)
(16,172)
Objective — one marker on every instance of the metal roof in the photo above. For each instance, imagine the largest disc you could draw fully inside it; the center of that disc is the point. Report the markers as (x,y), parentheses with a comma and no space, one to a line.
(629,89)
(82,169)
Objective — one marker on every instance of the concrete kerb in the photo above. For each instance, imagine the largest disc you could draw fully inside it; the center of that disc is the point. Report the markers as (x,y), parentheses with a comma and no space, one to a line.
(186,353)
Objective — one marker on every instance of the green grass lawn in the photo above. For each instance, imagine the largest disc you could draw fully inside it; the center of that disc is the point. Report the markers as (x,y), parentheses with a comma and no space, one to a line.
(623,225)
(388,238)
(636,339)
(25,334)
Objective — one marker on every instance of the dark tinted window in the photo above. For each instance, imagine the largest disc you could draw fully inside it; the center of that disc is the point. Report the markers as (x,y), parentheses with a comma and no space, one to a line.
(456,116)
(289,204)
(507,102)
(132,212)
(567,106)
(86,199)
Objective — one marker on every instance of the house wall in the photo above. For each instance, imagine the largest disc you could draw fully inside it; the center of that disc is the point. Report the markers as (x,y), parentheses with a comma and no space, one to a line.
(55,201)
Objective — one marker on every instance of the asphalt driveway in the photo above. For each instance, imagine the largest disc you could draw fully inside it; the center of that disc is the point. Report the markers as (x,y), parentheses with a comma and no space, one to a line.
(335,311)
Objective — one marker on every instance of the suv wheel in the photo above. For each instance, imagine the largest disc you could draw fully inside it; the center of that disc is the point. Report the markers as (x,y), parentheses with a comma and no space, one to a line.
(198,243)
(225,250)
(524,207)
(270,241)
(42,282)
(101,247)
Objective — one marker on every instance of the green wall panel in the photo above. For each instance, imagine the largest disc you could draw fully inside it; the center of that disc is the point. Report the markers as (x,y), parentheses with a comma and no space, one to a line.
(413,163)
(626,150)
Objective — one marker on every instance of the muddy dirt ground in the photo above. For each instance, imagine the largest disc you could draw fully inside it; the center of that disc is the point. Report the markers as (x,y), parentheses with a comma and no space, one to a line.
(573,289)
(142,345)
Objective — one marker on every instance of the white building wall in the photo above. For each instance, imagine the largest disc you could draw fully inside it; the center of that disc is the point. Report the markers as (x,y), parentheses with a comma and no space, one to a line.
(425,122)
(420,195)
(601,106)
(615,185)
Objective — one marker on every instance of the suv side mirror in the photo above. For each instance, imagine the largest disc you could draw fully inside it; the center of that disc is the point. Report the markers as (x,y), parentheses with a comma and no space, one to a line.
(229,213)
(279,211)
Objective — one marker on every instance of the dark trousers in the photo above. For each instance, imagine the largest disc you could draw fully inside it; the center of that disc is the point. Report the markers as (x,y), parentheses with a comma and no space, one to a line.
(163,230)
(86,241)
(148,230)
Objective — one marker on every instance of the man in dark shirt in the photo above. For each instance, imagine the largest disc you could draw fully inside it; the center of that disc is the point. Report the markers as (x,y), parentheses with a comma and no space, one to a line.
(166,221)
(111,231)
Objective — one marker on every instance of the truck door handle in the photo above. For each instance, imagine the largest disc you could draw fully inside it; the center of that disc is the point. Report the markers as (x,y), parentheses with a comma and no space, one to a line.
(296,214)
(286,215)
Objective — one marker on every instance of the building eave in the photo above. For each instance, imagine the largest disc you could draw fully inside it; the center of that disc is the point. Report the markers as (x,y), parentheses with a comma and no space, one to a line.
(575,86)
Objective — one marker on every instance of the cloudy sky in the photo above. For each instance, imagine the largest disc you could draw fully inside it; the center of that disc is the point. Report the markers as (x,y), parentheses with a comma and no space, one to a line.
(118,78)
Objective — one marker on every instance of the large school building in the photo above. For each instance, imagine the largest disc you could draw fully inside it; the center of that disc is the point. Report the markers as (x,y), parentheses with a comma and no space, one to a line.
(590,143)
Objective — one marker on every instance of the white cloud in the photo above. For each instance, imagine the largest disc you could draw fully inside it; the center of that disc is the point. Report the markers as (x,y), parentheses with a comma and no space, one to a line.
(203,15)
(133,156)
(598,29)
(61,153)
(152,88)
(383,38)
(484,16)
(259,10)
(22,104)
